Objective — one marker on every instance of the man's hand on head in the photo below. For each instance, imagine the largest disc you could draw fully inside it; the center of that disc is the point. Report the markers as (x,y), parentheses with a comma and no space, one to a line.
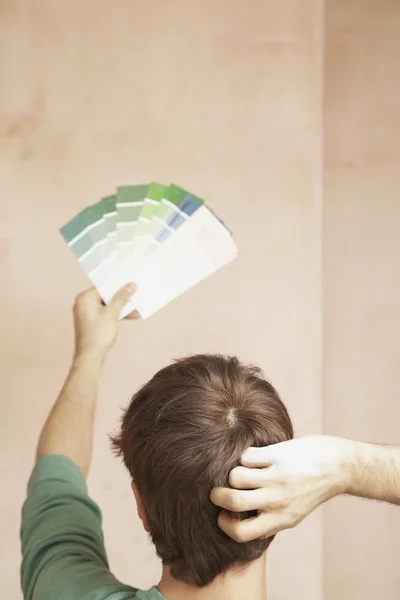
(284,483)
(96,324)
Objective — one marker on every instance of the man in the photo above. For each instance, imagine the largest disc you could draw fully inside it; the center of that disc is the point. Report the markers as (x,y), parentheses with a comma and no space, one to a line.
(182,434)
(180,437)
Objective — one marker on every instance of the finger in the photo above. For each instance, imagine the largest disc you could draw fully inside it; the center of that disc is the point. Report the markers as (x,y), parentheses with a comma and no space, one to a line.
(90,295)
(133,315)
(121,298)
(244,478)
(238,500)
(263,526)
(261,457)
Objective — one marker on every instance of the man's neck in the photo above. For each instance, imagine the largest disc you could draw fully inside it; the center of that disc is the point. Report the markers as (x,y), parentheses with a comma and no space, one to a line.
(233,585)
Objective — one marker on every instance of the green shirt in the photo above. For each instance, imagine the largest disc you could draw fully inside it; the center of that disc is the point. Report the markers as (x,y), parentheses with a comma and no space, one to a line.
(63,553)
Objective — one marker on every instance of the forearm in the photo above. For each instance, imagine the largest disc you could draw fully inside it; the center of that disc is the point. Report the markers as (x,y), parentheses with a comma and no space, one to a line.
(372,471)
(69,427)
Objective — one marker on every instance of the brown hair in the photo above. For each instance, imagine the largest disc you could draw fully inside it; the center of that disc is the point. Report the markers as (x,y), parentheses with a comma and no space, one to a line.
(180,436)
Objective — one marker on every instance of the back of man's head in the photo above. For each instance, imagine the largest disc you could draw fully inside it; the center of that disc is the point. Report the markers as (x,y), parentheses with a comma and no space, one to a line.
(181,435)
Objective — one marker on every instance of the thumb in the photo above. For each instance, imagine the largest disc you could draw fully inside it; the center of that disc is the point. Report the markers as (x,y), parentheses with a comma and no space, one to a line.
(260,457)
(121,298)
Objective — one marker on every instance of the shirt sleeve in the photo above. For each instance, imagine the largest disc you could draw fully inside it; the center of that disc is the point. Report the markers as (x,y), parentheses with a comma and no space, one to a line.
(63,553)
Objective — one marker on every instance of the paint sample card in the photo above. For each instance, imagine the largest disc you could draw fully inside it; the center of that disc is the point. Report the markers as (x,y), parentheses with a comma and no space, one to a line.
(185,209)
(196,251)
(163,238)
(129,203)
(87,238)
(142,235)
(130,200)
(168,216)
(109,210)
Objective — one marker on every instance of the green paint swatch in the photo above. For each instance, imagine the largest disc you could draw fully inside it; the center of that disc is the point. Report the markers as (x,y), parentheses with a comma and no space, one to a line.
(161,236)
(142,232)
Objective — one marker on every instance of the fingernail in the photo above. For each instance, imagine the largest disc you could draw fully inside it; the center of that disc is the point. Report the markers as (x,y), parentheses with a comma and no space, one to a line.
(131,287)
(247,455)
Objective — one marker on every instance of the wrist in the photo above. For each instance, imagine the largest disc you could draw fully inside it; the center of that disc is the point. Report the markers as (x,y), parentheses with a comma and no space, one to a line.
(346,464)
(334,459)
(89,356)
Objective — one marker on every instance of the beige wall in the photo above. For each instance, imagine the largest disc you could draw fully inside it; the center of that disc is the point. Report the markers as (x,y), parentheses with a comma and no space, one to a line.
(226,99)
(221,97)
(362,279)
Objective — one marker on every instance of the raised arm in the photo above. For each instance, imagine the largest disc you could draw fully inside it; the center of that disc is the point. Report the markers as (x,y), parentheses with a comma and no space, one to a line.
(63,553)
(69,427)
(285,482)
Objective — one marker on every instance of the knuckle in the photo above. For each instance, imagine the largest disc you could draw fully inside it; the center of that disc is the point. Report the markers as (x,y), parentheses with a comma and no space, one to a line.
(240,535)
(237,502)
(81,296)
(277,503)
(287,519)
(294,519)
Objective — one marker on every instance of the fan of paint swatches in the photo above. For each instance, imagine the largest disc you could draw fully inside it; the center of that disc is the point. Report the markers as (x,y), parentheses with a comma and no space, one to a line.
(163,238)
